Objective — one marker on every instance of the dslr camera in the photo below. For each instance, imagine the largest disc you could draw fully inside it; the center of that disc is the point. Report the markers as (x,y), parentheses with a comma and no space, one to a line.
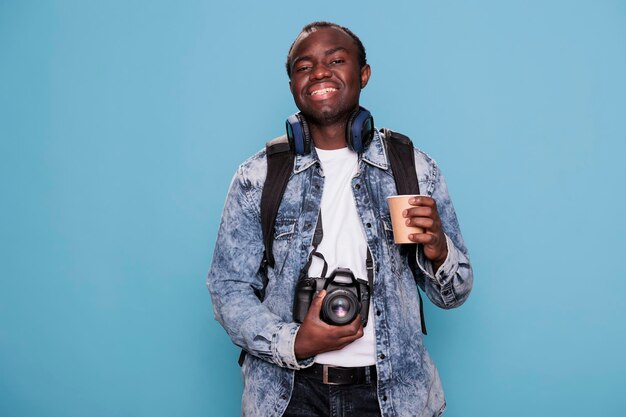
(346,296)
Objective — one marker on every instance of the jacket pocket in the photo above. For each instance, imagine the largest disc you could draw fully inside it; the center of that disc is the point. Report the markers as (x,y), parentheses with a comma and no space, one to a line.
(284,231)
(284,228)
(393,257)
(387,228)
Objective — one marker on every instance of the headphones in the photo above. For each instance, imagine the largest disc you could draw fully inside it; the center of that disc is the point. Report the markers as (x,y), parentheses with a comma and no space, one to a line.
(359,131)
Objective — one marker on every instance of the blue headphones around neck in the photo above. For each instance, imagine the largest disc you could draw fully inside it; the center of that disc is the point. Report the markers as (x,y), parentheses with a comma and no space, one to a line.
(359,131)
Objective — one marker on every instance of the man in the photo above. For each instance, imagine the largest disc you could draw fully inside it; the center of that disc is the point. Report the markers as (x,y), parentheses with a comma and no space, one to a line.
(316,368)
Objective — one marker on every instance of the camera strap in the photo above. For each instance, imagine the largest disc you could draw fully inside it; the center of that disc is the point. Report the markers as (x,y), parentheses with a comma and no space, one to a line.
(318,235)
(369,264)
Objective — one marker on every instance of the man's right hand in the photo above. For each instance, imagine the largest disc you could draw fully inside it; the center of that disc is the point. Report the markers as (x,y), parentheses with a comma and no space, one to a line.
(316,336)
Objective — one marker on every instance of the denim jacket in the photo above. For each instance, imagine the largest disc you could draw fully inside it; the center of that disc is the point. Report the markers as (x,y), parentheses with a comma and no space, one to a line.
(408,382)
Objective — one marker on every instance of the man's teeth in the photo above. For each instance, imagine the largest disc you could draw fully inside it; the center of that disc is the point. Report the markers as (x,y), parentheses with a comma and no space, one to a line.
(323,91)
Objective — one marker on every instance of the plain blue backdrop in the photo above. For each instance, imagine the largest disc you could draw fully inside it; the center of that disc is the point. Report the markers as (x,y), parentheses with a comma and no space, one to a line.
(122,122)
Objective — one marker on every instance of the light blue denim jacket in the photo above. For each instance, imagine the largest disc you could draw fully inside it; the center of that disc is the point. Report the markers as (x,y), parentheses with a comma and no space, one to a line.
(408,382)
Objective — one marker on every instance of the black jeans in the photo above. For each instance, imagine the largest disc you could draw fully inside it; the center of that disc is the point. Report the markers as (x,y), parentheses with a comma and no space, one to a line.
(313,398)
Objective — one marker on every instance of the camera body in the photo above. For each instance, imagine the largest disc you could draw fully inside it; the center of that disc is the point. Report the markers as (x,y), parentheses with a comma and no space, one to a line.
(346,296)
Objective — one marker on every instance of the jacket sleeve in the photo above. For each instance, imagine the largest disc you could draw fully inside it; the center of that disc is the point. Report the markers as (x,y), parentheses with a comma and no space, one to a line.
(234,277)
(450,286)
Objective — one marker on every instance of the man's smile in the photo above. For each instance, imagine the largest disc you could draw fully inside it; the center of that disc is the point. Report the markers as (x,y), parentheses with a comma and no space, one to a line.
(323,91)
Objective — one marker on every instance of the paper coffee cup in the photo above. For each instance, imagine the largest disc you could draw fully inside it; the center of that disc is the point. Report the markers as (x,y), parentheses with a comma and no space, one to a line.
(397,204)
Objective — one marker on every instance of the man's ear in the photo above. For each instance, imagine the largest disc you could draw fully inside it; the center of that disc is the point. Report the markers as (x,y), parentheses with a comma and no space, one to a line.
(366,71)
(290,87)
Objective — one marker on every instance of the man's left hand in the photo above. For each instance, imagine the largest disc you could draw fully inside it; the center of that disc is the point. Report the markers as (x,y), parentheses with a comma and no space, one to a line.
(424,214)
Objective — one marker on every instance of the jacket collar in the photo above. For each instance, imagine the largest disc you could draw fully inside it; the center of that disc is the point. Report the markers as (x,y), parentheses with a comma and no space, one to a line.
(375,155)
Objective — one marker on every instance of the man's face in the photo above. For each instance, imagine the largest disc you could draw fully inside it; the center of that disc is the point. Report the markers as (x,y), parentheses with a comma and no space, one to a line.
(326,78)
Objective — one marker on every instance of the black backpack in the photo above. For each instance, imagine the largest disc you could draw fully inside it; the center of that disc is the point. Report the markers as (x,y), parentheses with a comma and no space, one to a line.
(280,159)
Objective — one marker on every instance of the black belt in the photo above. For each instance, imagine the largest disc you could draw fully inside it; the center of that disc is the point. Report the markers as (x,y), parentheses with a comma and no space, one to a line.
(338,375)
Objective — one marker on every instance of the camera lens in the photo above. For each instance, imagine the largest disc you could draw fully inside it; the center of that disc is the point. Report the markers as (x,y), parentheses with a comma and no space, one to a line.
(340,307)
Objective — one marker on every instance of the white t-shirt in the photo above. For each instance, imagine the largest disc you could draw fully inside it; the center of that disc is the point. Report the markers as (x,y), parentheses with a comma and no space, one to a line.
(343,245)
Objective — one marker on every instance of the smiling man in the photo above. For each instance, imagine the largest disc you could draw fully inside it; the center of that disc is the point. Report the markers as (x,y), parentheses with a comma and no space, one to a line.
(347,344)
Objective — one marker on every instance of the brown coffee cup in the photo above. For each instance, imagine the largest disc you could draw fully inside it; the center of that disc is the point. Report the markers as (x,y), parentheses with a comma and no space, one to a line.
(397,204)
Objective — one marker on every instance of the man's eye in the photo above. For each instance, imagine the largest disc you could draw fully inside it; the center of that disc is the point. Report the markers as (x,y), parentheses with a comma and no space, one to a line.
(337,61)
(302,68)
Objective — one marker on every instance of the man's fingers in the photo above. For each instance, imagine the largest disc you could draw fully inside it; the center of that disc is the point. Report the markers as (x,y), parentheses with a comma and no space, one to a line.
(346,331)
(316,305)
(423,222)
(421,211)
(317,300)
(422,200)
(424,238)
(353,329)
(349,339)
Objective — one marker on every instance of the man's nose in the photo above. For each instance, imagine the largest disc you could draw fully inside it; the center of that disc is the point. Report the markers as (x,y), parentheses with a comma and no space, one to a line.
(320,71)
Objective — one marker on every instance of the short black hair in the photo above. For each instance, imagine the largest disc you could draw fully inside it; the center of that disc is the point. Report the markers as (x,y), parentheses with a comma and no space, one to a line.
(322,24)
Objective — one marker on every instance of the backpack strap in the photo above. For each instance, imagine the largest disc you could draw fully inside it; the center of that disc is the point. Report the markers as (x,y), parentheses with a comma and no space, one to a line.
(280,159)
(402,161)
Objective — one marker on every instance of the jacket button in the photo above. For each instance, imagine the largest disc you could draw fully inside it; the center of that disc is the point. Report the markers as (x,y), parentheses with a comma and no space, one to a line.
(378,312)
(384,398)
(369,224)
(358,186)
(382,356)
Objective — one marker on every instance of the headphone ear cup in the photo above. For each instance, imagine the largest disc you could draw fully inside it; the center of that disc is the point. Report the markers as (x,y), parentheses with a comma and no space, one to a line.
(298,134)
(360,130)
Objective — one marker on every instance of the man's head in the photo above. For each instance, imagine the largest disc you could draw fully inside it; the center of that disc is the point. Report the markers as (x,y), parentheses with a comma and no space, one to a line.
(319,25)
(327,68)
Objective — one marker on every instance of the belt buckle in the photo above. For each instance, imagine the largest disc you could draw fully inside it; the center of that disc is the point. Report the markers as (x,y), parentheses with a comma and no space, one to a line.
(325,380)
(325,374)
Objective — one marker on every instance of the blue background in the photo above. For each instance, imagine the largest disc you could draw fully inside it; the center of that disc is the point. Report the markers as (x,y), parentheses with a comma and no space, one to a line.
(122,122)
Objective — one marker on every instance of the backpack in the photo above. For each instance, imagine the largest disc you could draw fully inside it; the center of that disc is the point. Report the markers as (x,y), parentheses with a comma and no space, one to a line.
(280,160)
